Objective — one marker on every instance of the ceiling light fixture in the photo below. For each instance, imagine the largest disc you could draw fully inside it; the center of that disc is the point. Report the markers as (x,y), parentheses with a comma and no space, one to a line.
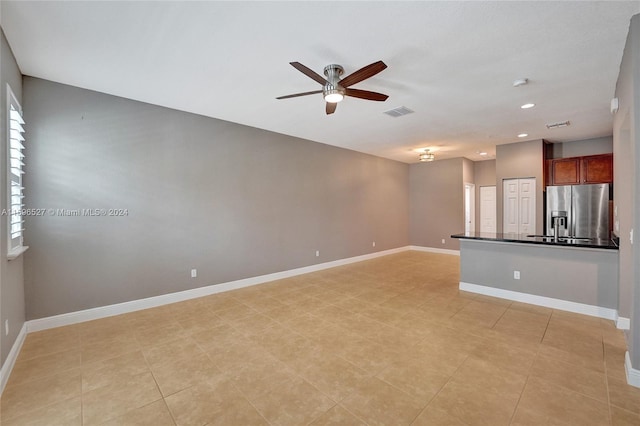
(527,106)
(523,135)
(427,156)
(483,153)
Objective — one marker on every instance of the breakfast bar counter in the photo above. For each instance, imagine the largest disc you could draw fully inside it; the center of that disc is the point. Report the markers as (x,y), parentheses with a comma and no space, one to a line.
(575,274)
(541,239)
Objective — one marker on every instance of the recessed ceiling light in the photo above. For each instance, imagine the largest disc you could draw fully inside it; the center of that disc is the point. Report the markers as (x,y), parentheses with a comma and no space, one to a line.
(527,106)
(523,135)
(483,153)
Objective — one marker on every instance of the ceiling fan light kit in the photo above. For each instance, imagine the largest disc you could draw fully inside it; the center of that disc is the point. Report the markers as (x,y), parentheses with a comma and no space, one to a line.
(335,89)
(332,91)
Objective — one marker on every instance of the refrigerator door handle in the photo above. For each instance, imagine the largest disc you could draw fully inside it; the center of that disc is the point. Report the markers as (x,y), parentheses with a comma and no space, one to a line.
(572,221)
(574,208)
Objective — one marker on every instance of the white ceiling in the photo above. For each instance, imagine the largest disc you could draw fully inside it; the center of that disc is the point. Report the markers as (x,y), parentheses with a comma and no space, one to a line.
(453,63)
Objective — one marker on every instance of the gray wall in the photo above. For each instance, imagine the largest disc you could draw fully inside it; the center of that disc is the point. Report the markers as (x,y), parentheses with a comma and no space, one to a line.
(468,174)
(586,276)
(12,302)
(520,160)
(437,203)
(230,200)
(626,141)
(584,147)
(484,175)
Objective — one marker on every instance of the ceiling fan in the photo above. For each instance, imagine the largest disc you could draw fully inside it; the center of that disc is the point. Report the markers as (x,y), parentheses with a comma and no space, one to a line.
(335,89)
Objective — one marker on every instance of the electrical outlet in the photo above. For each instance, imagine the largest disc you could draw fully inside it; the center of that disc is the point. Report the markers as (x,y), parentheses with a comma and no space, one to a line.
(194,273)
(6,327)
(516,275)
(317,253)
(443,241)
(374,244)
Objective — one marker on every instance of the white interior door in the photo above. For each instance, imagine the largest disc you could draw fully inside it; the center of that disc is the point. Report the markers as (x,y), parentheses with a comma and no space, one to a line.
(488,209)
(519,205)
(469,208)
(510,203)
(527,207)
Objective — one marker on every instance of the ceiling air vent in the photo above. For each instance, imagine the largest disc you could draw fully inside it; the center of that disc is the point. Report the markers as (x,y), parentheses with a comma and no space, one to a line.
(556,125)
(398,112)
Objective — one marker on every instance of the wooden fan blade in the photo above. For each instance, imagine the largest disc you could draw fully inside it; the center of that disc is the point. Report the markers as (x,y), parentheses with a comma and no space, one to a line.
(363,73)
(309,72)
(331,107)
(295,95)
(365,94)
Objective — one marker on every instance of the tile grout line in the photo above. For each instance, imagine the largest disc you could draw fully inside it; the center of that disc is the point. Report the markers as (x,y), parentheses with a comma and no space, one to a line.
(515,408)
(440,390)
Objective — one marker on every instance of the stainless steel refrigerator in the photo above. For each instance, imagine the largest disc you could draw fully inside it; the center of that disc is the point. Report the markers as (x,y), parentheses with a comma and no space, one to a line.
(580,211)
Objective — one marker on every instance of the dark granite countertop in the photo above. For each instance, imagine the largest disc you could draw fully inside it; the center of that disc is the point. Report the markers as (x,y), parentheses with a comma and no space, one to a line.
(540,239)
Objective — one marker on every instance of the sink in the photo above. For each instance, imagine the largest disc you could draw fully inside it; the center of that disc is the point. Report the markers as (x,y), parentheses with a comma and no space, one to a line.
(561,239)
(543,237)
(574,239)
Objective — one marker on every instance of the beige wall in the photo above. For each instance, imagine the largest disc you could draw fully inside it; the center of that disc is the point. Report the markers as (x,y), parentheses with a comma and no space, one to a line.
(520,160)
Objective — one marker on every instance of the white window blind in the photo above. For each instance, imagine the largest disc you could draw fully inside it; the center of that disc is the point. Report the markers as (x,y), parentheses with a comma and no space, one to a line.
(16,170)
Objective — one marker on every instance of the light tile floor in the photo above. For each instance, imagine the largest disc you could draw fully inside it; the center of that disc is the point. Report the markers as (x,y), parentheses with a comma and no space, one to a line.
(390,341)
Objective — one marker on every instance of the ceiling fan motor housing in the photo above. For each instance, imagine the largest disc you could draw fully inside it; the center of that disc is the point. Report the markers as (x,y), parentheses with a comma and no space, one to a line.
(333,73)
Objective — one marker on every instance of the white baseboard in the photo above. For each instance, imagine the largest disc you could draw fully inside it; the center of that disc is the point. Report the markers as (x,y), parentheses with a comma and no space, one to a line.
(435,250)
(5,371)
(165,299)
(549,302)
(623,323)
(633,375)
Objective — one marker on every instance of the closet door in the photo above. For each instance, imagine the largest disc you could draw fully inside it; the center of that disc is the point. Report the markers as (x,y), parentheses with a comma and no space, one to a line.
(519,201)
(511,206)
(527,206)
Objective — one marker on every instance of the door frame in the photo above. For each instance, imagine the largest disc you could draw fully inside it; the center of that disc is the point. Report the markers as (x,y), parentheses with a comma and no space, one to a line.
(495,207)
(469,208)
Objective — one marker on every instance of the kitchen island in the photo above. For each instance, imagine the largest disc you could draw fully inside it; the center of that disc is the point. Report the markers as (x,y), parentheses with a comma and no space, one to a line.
(576,275)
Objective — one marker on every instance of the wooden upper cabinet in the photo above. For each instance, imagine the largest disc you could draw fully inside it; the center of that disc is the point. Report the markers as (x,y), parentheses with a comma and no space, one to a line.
(597,169)
(566,171)
(580,170)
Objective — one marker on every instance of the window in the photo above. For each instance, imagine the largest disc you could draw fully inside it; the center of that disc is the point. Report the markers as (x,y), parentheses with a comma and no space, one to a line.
(16,170)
